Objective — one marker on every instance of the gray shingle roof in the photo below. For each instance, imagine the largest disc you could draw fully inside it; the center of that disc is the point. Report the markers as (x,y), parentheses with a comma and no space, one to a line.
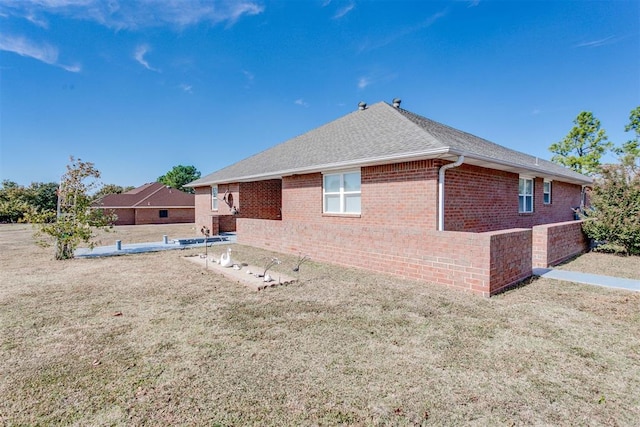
(381,134)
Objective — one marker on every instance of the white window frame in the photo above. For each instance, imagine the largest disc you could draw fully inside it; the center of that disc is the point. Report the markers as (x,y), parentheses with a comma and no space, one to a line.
(214,197)
(525,195)
(342,193)
(546,192)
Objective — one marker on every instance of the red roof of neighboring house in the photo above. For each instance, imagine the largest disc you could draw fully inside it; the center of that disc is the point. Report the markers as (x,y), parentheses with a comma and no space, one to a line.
(152,195)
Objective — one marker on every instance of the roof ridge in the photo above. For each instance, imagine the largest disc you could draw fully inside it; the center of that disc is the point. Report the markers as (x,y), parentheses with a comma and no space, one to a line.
(460,131)
(400,111)
(380,132)
(151,194)
(451,128)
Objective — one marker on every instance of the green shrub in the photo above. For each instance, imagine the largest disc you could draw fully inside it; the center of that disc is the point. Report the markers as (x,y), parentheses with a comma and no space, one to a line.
(614,216)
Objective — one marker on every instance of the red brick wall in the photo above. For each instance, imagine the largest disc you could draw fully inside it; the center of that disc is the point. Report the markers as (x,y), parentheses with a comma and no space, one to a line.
(400,193)
(132,216)
(302,197)
(204,214)
(125,216)
(479,199)
(395,232)
(226,223)
(555,243)
(259,199)
(483,263)
(176,216)
(476,199)
(511,257)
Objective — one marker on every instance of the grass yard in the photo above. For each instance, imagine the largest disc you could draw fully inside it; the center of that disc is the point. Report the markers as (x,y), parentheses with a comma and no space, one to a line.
(152,339)
(608,264)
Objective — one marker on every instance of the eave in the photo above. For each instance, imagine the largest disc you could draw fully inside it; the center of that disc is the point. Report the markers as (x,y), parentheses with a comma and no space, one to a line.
(445,153)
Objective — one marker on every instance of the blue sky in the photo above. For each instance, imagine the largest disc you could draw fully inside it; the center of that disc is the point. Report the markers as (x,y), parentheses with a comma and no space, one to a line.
(137,87)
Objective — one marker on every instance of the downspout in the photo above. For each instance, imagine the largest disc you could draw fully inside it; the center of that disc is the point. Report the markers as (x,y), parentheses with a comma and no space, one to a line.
(441,172)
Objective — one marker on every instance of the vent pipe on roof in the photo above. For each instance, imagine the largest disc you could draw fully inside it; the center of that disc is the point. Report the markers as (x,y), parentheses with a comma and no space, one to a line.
(362,106)
(396,102)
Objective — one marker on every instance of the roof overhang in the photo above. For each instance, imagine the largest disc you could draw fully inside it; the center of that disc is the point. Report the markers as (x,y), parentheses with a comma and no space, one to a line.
(536,170)
(445,153)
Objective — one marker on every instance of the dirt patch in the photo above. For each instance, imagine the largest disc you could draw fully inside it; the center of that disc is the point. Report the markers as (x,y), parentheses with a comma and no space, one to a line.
(249,275)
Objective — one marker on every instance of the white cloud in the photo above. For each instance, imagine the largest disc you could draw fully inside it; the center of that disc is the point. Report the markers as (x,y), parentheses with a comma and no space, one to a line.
(76,68)
(243,8)
(37,21)
(250,77)
(248,74)
(374,77)
(301,102)
(136,14)
(369,45)
(344,10)
(186,88)
(139,54)
(599,42)
(42,52)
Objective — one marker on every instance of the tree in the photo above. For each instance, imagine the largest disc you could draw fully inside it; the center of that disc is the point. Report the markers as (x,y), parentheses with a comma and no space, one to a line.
(179,176)
(583,147)
(614,217)
(43,196)
(74,222)
(12,203)
(111,189)
(630,151)
(16,200)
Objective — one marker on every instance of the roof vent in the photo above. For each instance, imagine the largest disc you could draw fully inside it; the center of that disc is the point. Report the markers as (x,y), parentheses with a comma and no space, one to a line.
(396,102)
(362,105)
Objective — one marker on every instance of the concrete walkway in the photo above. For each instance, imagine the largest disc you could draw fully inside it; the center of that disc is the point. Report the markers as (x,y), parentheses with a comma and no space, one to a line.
(137,248)
(589,279)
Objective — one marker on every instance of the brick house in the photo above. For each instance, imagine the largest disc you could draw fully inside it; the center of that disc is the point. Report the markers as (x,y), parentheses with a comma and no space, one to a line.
(152,203)
(385,189)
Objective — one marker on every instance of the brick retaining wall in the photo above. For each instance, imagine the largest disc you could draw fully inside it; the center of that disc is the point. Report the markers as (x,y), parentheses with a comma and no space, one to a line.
(555,243)
(482,263)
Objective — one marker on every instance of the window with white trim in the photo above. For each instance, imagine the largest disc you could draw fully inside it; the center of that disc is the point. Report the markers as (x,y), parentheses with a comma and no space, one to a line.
(546,192)
(525,195)
(214,197)
(341,192)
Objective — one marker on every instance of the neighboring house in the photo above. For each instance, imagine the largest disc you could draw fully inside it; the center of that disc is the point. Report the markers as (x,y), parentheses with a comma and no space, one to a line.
(386,189)
(152,203)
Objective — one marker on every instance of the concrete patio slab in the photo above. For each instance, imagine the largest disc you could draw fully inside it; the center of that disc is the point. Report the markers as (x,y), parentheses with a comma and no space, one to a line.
(136,248)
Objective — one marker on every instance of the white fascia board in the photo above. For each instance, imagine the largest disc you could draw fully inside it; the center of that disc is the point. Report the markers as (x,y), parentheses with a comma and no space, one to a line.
(525,169)
(418,155)
(371,161)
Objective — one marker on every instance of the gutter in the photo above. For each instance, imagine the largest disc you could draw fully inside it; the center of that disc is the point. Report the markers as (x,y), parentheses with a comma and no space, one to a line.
(441,172)
(530,167)
(418,155)
(370,161)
